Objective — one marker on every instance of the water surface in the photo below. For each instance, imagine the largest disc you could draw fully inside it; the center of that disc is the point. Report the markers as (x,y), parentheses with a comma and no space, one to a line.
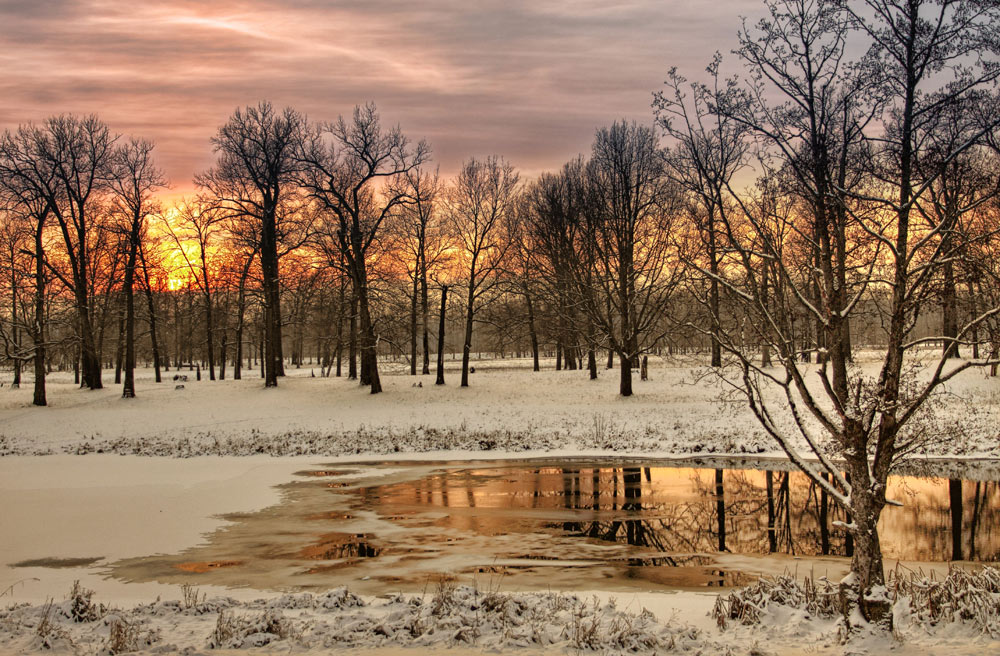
(569,525)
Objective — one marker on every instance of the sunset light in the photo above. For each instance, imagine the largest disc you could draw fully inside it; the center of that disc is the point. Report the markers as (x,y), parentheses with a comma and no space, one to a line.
(518,327)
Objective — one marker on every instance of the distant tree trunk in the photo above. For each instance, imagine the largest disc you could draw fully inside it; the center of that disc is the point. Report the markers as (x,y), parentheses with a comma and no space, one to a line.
(949,311)
(263,338)
(352,347)
(440,351)
(38,329)
(151,308)
(625,380)
(222,355)
(713,292)
(128,389)
(531,331)
(274,366)
(209,333)
(120,346)
(973,310)
(14,331)
(413,322)
(467,345)
(369,347)
(338,349)
(425,312)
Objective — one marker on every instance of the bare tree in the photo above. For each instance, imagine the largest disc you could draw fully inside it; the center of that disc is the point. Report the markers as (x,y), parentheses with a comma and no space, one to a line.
(15,235)
(66,164)
(553,208)
(961,184)
(352,169)
(423,247)
(709,149)
(134,179)
(481,204)
(922,57)
(630,210)
(200,223)
(257,169)
(26,181)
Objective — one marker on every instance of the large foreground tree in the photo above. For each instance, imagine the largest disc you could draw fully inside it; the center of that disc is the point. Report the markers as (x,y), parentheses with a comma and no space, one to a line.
(850,427)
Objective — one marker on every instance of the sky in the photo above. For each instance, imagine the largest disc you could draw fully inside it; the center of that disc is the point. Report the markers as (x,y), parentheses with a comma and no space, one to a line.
(530,80)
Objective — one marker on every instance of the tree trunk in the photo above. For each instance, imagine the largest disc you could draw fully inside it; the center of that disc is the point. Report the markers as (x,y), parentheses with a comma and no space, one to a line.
(531,332)
(368,343)
(272,301)
(713,294)
(352,347)
(151,308)
(14,331)
(120,347)
(440,352)
(425,311)
(338,350)
(128,389)
(38,329)
(625,384)
(90,362)
(413,323)
(866,563)
(222,355)
(209,331)
(467,345)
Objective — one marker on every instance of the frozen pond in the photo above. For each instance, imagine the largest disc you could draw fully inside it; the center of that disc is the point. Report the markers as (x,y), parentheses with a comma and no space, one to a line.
(615,525)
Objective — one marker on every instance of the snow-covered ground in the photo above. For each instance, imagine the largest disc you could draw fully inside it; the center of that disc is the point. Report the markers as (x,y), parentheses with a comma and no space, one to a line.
(68,506)
(507,408)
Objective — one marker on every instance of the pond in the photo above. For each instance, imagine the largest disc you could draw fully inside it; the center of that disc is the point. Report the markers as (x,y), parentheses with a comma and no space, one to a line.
(569,525)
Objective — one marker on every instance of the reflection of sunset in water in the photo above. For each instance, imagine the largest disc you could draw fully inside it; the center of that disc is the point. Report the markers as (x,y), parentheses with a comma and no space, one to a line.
(677,509)
(584,525)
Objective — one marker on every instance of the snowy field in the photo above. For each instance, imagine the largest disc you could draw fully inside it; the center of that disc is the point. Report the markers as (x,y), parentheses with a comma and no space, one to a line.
(61,505)
(508,408)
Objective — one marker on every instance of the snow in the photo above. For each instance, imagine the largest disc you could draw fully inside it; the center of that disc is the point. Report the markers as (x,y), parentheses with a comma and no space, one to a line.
(508,408)
(107,507)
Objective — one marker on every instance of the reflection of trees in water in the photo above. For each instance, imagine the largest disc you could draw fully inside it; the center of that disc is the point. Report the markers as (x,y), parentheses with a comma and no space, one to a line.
(675,527)
(968,532)
(745,511)
(732,513)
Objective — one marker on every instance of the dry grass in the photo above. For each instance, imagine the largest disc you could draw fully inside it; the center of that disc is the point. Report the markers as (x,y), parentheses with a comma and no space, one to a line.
(82,606)
(971,597)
